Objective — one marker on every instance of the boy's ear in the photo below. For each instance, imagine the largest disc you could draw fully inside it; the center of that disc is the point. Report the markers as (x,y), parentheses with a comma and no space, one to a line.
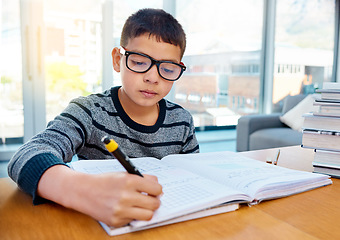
(116,57)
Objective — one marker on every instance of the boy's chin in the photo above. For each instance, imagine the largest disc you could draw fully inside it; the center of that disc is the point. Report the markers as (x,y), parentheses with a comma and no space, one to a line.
(148,105)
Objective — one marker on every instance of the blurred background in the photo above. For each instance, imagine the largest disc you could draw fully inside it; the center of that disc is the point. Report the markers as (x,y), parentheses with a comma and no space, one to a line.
(242,57)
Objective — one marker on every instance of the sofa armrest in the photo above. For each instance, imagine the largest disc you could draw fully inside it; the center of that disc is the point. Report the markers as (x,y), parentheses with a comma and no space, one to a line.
(251,123)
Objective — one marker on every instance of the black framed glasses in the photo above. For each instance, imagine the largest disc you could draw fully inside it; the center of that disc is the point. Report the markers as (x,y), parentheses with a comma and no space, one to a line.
(141,63)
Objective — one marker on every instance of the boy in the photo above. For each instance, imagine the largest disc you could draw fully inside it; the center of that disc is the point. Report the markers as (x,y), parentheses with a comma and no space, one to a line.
(135,115)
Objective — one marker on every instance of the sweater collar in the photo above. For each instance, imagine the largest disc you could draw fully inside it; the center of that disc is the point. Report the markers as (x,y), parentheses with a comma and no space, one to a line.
(132,124)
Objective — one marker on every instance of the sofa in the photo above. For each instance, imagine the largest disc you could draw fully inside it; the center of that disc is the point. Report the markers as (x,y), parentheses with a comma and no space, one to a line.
(261,131)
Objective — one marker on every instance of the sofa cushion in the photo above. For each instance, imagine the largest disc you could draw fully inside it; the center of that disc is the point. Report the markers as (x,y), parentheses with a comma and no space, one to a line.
(293,118)
(291,101)
(274,137)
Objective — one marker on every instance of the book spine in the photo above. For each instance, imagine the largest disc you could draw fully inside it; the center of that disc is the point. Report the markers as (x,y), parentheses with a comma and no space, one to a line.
(325,136)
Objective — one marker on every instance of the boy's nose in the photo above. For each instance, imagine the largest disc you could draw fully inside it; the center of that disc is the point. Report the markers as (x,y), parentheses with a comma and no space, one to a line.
(152,75)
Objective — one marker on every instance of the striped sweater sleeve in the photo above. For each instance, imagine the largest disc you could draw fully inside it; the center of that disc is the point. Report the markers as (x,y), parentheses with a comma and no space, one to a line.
(56,145)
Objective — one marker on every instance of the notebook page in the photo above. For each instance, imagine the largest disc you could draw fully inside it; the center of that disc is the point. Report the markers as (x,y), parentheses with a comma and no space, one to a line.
(184,192)
(248,175)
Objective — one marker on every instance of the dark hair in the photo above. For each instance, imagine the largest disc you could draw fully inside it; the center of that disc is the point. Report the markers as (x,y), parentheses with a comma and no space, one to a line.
(157,23)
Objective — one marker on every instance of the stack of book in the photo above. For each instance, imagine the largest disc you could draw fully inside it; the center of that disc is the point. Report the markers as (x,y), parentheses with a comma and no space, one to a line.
(321,130)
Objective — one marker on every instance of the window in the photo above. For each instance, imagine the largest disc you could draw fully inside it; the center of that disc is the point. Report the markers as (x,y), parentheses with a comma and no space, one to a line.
(304,43)
(11,102)
(222,59)
(73,54)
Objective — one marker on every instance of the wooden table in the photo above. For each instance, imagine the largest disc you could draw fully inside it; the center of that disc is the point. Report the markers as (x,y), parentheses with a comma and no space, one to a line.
(311,215)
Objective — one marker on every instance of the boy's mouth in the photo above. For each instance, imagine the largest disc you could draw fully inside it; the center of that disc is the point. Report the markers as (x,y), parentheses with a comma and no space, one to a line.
(148,93)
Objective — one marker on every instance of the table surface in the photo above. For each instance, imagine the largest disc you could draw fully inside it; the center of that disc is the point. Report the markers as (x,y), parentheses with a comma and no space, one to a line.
(310,215)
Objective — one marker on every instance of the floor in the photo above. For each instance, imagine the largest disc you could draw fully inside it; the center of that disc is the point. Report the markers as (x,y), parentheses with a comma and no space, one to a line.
(209,141)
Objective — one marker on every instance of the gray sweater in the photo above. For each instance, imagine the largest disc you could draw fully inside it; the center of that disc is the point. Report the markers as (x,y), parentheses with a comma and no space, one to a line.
(78,130)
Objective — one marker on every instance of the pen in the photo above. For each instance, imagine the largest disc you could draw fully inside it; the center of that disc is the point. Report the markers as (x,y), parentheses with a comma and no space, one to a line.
(113,148)
(277,157)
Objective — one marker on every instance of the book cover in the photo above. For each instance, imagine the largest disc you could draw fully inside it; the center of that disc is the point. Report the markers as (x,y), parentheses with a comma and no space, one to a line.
(331,85)
(329,94)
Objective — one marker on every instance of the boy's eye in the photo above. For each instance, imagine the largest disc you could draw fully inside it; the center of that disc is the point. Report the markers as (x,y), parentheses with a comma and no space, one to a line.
(167,70)
(138,63)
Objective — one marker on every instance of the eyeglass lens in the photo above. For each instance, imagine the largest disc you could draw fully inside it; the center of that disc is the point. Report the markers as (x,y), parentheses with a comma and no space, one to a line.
(140,63)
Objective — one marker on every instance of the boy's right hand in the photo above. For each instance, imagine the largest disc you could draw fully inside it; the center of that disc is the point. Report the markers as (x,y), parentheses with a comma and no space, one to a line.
(113,198)
(120,198)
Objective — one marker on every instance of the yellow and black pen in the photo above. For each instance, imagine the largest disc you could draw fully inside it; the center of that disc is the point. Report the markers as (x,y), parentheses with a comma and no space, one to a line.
(114,149)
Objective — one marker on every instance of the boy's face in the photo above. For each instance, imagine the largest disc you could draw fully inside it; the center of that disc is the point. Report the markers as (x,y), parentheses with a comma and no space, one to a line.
(145,89)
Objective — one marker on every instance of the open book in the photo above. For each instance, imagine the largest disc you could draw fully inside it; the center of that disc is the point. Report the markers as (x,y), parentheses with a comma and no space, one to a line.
(198,185)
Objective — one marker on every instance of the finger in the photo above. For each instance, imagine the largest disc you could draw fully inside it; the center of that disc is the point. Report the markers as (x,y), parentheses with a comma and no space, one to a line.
(150,187)
(151,177)
(141,200)
(147,202)
(139,213)
(130,214)
(119,222)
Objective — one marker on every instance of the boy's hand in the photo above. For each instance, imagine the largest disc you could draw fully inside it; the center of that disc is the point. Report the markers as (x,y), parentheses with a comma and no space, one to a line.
(117,199)
(113,198)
